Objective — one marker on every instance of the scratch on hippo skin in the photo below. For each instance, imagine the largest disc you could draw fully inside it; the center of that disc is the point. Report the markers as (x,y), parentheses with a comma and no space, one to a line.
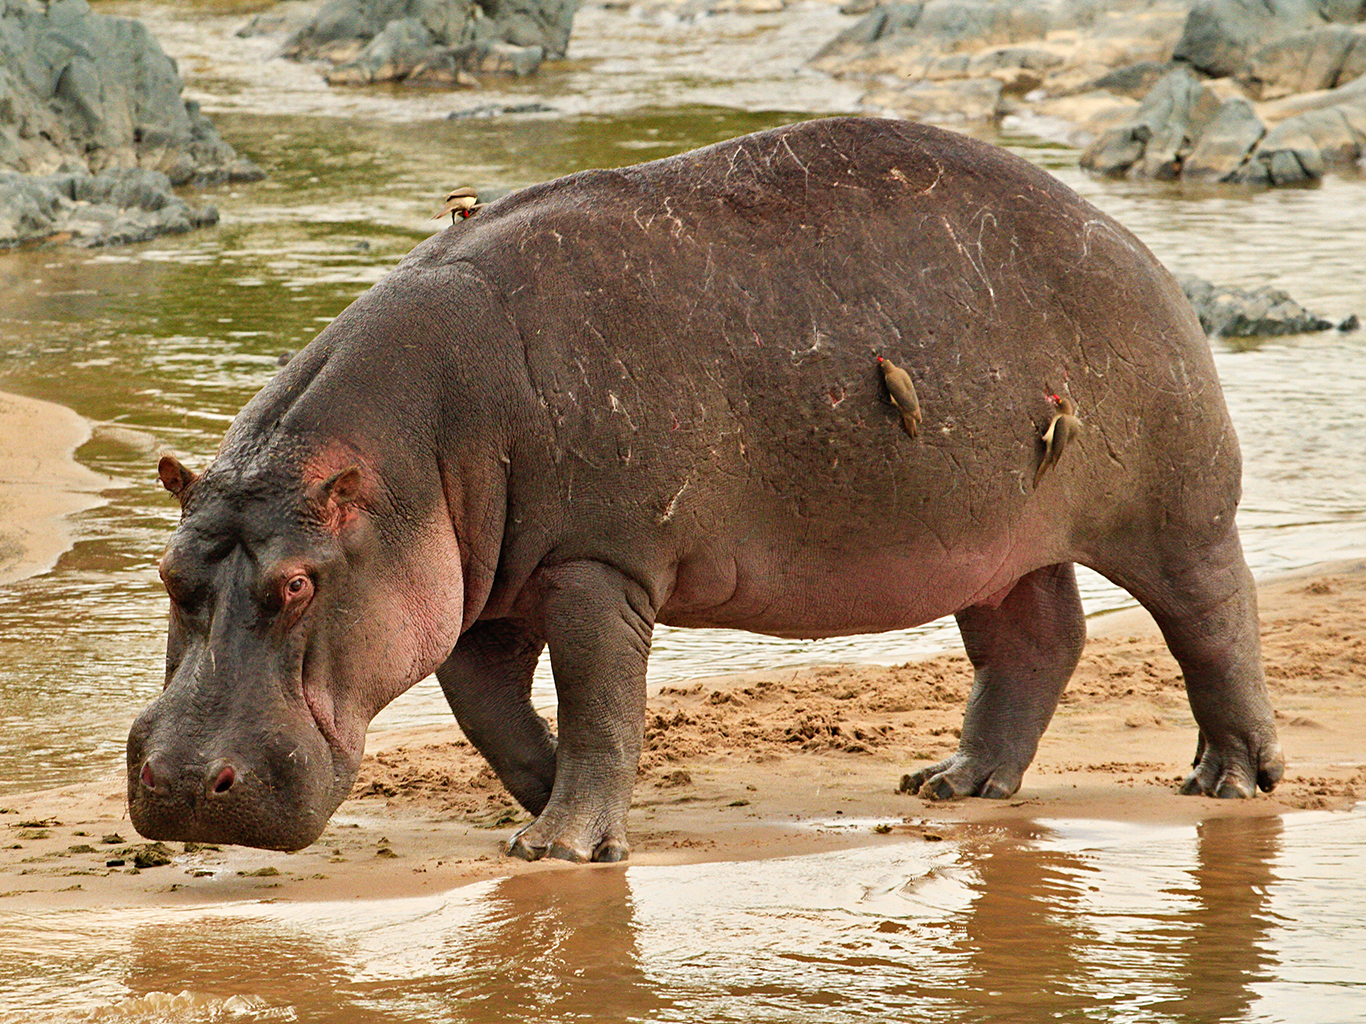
(734,157)
(938,177)
(797,160)
(672,506)
(816,345)
(973,261)
(620,409)
(677,230)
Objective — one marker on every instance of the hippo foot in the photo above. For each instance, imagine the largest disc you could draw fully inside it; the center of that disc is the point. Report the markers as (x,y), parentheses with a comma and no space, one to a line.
(528,845)
(961,776)
(1229,774)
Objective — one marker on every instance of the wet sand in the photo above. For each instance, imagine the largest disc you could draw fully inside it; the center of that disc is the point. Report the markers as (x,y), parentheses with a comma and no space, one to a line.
(40,483)
(755,766)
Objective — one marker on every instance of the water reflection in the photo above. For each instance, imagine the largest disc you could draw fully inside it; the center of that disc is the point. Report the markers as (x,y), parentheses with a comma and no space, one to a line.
(558,946)
(1027,912)
(1056,920)
(1226,948)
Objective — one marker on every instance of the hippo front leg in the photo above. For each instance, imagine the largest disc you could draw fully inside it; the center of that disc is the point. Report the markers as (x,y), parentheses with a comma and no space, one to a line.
(1023,653)
(598,625)
(487,682)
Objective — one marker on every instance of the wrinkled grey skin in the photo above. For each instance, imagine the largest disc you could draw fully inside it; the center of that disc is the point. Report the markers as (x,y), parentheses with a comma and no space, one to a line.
(652,395)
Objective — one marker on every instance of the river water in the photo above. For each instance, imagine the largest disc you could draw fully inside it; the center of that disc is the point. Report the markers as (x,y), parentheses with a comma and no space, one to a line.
(161,343)
(1233,920)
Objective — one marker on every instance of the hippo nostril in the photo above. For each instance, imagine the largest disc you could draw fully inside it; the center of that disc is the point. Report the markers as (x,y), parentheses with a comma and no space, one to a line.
(225,780)
(148,777)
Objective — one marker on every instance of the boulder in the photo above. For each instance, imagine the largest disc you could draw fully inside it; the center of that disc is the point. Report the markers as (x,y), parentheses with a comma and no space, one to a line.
(1322,58)
(1220,35)
(1223,148)
(885,21)
(98,92)
(115,207)
(1162,133)
(430,41)
(1246,313)
(1043,47)
(1327,130)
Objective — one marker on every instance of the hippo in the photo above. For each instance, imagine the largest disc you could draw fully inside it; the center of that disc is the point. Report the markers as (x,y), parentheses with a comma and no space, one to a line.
(653,395)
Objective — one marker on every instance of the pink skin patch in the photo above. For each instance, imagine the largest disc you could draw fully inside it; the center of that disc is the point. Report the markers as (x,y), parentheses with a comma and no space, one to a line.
(339,482)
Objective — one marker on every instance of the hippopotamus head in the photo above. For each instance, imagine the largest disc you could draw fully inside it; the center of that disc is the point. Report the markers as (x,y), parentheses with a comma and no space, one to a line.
(300,606)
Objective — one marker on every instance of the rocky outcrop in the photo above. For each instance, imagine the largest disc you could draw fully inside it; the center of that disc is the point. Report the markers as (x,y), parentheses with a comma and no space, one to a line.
(1151,88)
(435,42)
(1162,133)
(94,132)
(1183,130)
(1220,35)
(1256,312)
(1322,58)
(97,90)
(984,59)
(114,207)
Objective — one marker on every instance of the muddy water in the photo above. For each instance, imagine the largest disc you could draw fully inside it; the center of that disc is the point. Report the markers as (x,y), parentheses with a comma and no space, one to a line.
(1236,919)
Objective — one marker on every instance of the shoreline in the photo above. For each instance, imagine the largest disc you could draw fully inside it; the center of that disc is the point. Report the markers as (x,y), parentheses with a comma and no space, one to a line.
(760,765)
(41,484)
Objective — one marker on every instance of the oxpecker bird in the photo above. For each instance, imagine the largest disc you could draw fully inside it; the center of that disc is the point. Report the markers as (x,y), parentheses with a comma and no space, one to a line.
(1062,431)
(901,389)
(463,202)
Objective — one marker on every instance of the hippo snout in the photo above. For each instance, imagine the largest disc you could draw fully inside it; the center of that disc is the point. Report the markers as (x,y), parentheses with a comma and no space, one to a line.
(272,791)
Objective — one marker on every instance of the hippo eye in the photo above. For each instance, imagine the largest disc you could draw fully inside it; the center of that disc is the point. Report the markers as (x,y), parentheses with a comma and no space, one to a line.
(297,585)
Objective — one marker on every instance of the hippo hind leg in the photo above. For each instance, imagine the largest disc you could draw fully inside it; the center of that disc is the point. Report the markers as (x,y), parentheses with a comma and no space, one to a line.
(1023,653)
(487,682)
(1204,600)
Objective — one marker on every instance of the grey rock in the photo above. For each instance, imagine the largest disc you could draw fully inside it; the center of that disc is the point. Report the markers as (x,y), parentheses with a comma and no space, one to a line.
(398,54)
(432,41)
(883,22)
(1322,58)
(946,25)
(1133,80)
(115,207)
(1224,145)
(1330,133)
(1344,11)
(1246,313)
(398,49)
(1162,132)
(98,91)
(286,18)
(970,99)
(1220,35)
(527,23)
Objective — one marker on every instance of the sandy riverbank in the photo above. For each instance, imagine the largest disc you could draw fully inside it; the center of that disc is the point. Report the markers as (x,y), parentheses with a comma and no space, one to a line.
(40,483)
(761,765)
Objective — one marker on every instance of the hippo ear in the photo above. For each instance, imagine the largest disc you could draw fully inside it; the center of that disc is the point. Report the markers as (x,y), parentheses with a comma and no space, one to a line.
(336,495)
(175,477)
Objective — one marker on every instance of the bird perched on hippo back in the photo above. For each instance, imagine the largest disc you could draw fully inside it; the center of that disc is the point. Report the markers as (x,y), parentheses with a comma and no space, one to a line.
(462,202)
(1063,430)
(902,390)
